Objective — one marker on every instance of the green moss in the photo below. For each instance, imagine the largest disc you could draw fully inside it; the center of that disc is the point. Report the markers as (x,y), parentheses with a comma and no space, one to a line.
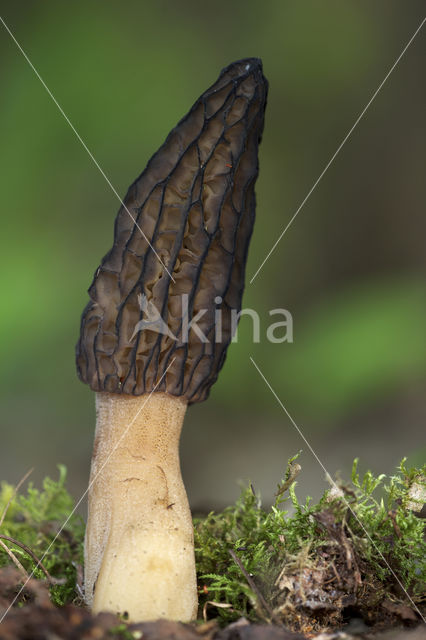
(36,520)
(386,538)
(245,553)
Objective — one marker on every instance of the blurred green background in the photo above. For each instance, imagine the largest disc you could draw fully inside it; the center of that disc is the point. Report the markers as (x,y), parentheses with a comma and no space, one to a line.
(350,269)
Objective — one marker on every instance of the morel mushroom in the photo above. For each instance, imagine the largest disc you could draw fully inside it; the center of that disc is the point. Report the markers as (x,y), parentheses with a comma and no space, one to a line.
(154,337)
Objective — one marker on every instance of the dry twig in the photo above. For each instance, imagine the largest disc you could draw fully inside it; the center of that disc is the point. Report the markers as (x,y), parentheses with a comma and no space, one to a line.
(14,559)
(33,556)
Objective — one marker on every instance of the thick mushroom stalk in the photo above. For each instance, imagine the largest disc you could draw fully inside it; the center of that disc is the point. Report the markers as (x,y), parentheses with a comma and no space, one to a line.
(139,555)
(154,336)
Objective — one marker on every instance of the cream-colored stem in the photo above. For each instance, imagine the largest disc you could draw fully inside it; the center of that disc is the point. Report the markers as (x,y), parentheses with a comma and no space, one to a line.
(139,547)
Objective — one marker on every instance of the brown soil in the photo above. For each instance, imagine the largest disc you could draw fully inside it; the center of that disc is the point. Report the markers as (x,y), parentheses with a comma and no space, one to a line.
(34,617)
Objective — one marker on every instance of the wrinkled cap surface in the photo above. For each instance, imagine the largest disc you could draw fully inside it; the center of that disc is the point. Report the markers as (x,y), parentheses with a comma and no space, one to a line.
(179,252)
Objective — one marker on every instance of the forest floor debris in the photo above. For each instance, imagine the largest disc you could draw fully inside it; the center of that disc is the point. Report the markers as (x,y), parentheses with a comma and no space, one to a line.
(353,565)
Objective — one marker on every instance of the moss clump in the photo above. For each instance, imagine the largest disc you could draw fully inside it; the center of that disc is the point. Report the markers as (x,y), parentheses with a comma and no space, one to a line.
(352,551)
(36,520)
(359,552)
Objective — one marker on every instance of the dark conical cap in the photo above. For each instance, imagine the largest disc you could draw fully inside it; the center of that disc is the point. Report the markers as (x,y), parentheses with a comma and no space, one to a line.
(180,249)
